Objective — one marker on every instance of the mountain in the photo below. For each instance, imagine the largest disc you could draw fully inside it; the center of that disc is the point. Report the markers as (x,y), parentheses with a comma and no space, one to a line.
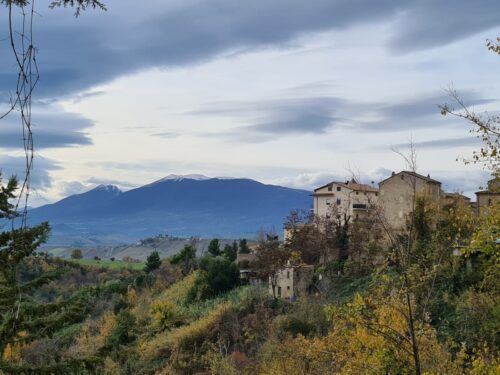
(191,205)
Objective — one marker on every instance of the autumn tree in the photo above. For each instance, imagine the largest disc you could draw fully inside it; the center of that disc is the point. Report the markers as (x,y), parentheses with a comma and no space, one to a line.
(269,259)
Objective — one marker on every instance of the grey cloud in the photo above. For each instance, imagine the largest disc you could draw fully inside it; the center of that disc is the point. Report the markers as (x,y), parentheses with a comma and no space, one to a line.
(52,127)
(415,113)
(67,188)
(75,54)
(427,23)
(267,119)
(467,183)
(443,143)
(39,175)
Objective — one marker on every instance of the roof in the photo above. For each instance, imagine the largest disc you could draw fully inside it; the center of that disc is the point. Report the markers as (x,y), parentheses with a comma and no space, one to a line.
(415,174)
(353,185)
(456,195)
(487,192)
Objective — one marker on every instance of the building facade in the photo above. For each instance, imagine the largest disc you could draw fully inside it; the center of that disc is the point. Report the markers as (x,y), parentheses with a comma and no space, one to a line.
(398,192)
(489,197)
(339,198)
(292,282)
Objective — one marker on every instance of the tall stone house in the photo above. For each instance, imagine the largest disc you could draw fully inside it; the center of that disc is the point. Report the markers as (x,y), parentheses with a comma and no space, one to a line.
(339,198)
(397,195)
(487,198)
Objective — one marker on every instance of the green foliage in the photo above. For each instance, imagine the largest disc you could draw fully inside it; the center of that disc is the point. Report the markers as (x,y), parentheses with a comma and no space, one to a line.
(153,262)
(214,247)
(185,257)
(110,264)
(124,331)
(243,247)
(230,251)
(217,275)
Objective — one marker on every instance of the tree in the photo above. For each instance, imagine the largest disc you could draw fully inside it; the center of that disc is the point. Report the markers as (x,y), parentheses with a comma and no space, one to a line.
(23,318)
(270,258)
(76,254)
(230,251)
(243,247)
(153,262)
(185,257)
(486,126)
(214,247)
(217,275)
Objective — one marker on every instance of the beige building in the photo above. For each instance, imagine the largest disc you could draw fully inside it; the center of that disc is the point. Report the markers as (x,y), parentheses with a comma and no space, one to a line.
(350,197)
(397,195)
(292,281)
(489,197)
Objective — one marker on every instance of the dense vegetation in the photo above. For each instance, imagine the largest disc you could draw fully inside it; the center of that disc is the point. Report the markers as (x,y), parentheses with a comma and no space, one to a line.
(185,315)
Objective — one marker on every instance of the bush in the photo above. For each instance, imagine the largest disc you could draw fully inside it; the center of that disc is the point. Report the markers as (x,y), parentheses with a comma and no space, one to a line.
(166,315)
(217,275)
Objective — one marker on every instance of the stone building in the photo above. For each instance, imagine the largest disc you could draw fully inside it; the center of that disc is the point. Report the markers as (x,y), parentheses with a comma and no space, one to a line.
(339,198)
(397,194)
(292,282)
(487,198)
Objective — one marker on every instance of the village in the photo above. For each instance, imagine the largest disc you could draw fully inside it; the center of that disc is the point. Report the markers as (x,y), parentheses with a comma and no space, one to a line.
(387,207)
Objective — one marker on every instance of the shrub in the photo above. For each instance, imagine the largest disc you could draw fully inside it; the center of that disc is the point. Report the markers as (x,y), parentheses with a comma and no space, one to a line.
(188,337)
(218,275)
(166,315)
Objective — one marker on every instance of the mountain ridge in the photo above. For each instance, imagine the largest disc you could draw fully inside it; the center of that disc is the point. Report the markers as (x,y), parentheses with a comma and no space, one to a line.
(176,205)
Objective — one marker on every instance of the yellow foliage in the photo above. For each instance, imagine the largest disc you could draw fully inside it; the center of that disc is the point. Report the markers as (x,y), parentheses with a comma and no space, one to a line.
(13,352)
(166,315)
(178,292)
(93,336)
(111,367)
(185,337)
(132,297)
(365,338)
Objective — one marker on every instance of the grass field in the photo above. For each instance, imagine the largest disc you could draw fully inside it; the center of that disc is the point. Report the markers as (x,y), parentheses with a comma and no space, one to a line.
(117,264)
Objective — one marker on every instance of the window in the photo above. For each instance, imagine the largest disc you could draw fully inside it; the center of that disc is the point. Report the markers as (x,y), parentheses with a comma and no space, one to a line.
(357,216)
(288,287)
(339,202)
(328,202)
(287,274)
(279,291)
(376,194)
(489,202)
(338,188)
(329,188)
(402,176)
(357,193)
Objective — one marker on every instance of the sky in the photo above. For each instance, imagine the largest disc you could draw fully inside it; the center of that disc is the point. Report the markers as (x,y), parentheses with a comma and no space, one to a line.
(288,92)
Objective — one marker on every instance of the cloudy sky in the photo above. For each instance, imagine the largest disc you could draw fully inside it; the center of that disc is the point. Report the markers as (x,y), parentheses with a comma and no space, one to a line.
(288,92)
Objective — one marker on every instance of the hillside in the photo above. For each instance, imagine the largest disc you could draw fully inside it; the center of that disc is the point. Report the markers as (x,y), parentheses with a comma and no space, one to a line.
(177,205)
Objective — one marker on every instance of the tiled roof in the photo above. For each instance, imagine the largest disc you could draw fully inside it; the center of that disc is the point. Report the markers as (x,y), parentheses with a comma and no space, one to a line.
(415,174)
(352,186)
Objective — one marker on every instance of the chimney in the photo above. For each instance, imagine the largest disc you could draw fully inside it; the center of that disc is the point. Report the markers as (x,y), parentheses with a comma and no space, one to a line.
(428,175)
(393,173)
